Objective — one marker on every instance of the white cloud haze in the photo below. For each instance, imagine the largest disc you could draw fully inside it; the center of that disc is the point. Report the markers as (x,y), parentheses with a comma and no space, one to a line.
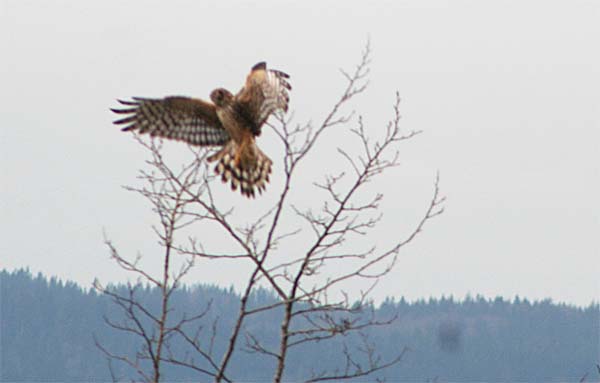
(506,93)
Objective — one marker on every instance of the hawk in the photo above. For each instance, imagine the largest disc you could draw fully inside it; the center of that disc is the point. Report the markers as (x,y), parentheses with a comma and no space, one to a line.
(230,121)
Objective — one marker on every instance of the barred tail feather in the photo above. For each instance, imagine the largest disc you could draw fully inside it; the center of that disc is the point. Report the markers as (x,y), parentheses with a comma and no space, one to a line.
(245,167)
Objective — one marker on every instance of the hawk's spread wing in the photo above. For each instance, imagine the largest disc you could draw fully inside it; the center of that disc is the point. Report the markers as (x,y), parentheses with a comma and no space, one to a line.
(265,91)
(181,118)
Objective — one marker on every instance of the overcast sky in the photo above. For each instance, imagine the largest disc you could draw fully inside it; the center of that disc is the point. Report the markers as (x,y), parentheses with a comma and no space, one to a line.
(506,92)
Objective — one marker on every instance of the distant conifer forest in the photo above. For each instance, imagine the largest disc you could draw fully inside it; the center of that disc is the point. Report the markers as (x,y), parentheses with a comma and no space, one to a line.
(48,329)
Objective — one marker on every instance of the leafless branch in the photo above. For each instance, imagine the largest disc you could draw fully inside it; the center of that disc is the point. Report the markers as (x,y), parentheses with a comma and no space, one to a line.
(296,271)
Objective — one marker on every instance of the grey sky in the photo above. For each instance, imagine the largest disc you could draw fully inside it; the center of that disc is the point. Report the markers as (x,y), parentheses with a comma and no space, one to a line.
(507,93)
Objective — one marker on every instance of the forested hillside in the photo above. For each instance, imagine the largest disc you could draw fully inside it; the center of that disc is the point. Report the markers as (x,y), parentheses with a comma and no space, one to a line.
(48,328)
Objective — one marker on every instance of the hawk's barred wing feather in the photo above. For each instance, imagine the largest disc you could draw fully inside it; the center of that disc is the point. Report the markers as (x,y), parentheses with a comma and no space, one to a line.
(181,118)
(275,90)
(265,91)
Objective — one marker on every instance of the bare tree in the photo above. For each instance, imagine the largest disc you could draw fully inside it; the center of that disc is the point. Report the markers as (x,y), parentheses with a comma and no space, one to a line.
(309,276)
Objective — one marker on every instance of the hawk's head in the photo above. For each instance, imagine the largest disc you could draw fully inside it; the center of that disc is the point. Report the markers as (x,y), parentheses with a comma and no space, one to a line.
(221,97)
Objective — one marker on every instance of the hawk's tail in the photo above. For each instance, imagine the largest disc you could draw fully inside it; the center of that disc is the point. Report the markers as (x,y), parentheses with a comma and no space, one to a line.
(245,166)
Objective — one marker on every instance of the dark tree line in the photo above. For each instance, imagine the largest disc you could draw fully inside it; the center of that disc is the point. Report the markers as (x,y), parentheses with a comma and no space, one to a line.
(48,327)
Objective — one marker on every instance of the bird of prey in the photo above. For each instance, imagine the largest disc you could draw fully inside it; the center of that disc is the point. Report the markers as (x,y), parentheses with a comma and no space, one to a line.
(230,121)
